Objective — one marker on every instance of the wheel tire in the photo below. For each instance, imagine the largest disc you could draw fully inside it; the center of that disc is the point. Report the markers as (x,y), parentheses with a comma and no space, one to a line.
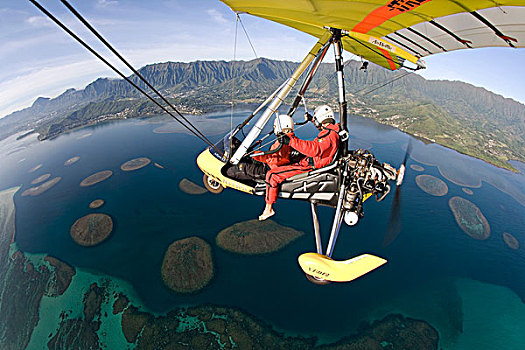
(212,185)
(316,280)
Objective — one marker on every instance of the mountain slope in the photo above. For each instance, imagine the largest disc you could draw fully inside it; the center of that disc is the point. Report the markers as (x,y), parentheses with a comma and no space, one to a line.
(464,117)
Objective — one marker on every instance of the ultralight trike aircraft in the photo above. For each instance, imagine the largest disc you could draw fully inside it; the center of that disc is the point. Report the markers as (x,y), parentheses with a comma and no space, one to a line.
(393,34)
(422,27)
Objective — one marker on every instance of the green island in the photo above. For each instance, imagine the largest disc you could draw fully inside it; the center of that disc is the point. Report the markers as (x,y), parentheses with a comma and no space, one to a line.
(97,203)
(460,116)
(71,161)
(91,229)
(37,190)
(81,332)
(470,218)
(511,241)
(35,168)
(256,237)
(188,265)
(40,179)
(467,191)
(190,187)
(432,185)
(62,277)
(135,164)
(216,327)
(96,178)
(22,282)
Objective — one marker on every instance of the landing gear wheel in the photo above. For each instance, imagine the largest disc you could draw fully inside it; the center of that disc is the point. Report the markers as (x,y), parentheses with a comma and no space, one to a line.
(316,280)
(212,185)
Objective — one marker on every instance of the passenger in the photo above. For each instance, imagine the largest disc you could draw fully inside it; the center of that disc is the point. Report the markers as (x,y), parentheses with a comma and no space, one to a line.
(319,153)
(246,170)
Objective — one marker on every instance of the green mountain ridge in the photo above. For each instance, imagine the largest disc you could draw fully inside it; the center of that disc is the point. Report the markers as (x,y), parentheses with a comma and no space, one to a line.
(458,115)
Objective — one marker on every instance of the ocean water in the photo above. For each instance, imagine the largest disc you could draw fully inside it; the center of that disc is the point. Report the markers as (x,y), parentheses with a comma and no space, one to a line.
(435,272)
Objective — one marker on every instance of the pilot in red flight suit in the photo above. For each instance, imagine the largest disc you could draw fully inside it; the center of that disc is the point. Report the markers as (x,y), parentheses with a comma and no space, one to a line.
(279,155)
(319,153)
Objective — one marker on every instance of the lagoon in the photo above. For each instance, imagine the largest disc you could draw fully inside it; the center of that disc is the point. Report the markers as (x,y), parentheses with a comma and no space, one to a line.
(434,272)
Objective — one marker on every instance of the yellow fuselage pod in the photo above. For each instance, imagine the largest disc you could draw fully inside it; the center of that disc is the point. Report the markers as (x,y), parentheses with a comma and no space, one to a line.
(324,268)
(211,166)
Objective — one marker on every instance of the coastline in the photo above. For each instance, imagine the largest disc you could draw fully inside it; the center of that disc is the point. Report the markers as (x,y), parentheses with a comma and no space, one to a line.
(215,109)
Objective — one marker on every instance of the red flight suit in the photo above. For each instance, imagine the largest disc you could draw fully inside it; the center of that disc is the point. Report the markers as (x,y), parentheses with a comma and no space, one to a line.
(257,170)
(281,157)
(319,153)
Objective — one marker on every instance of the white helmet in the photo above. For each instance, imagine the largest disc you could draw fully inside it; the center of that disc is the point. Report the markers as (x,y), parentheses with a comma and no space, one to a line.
(322,114)
(283,121)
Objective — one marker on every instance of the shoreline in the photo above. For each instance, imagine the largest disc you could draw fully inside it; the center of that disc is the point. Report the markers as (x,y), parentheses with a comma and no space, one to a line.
(242,107)
(426,140)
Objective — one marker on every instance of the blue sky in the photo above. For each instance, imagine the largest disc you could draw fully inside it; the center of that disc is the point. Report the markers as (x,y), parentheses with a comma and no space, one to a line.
(38,59)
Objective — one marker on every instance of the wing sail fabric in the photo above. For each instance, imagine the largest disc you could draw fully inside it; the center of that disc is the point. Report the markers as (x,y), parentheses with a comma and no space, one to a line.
(412,28)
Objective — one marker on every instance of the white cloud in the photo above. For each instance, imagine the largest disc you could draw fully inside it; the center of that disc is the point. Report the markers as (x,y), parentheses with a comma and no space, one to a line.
(21,91)
(106,3)
(217,16)
(39,21)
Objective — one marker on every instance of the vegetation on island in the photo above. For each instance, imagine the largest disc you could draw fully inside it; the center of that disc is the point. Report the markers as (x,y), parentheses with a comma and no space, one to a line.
(190,187)
(91,229)
(470,218)
(256,237)
(460,116)
(187,265)
(97,203)
(96,178)
(432,185)
(135,164)
(38,190)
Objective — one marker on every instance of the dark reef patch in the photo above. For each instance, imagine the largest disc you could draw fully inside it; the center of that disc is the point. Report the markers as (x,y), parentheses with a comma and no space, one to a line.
(135,164)
(35,191)
(432,185)
(188,265)
(189,187)
(81,333)
(470,218)
(511,241)
(96,178)
(91,229)
(256,237)
(215,327)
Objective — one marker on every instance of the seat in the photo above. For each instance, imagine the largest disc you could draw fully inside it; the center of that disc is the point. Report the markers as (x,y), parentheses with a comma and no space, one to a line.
(318,185)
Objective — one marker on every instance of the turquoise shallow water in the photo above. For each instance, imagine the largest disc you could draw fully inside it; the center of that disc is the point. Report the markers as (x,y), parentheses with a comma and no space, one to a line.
(432,270)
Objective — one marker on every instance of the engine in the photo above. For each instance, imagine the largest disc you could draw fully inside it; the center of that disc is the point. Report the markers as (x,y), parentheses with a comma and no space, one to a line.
(365,176)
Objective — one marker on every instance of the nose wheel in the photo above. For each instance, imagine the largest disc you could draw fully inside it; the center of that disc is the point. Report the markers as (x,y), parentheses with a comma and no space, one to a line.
(212,185)
(316,280)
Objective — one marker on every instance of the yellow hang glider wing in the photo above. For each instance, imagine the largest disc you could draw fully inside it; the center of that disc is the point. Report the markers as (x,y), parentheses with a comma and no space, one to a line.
(388,32)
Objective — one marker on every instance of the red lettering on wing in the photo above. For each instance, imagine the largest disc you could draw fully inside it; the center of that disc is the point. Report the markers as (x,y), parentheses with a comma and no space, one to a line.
(384,13)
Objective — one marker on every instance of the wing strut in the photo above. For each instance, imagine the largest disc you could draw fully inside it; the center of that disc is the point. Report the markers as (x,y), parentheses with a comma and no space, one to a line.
(274,105)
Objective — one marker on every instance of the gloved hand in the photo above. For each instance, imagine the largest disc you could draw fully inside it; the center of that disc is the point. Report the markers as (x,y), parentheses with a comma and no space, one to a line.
(285,138)
(308,117)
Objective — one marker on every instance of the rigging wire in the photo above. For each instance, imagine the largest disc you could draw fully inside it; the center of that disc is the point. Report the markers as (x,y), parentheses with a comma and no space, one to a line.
(233,75)
(247,36)
(384,84)
(197,133)
(366,93)
(108,45)
(239,20)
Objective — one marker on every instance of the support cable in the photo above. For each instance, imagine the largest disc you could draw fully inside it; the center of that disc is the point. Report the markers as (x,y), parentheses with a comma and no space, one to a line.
(247,36)
(115,52)
(233,78)
(96,54)
(388,82)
